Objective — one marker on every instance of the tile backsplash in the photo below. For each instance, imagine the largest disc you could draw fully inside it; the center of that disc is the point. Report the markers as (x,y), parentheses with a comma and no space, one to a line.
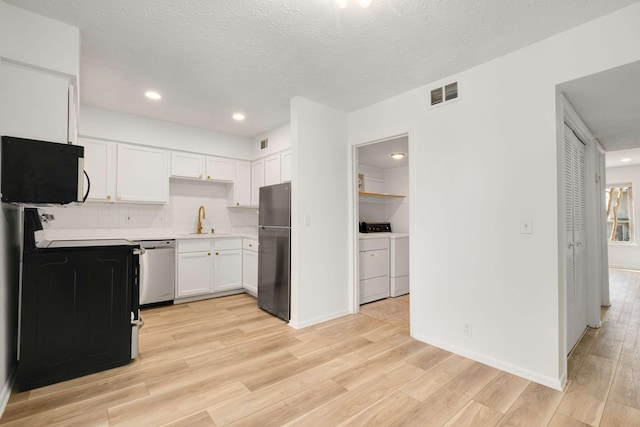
(179,215)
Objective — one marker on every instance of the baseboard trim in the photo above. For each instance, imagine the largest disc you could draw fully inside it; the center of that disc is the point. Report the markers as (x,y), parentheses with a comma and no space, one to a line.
(555,383)
(320,319)
(5,393)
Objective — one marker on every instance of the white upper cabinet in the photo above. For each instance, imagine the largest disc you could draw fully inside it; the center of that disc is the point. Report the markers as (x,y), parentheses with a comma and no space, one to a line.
(187,165)
(241,193)
(219,169)
(285,166)
(142,174)
(34,104)
(36,101)
(257,180)
(272,170)
(100,165)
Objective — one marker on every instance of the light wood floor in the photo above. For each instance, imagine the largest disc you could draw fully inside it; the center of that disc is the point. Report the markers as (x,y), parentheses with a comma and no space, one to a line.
(225,362)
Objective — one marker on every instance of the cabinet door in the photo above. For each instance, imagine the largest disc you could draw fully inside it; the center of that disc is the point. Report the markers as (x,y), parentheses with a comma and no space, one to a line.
(34,104)
(219,169)
(250,272)
(272,170)
(185,165)
(100,165)
(227,270)
(285,166)
(257,180)
(142,174)
(241,194)
(194,274)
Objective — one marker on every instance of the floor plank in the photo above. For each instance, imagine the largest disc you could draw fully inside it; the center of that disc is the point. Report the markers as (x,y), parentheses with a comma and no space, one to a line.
(225,362)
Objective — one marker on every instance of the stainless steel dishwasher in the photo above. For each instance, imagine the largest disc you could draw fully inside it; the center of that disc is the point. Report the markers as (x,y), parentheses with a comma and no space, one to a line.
(157,271)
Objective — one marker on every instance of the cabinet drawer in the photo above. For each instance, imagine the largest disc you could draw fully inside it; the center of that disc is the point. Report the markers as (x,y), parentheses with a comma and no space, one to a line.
(374,264)
(371,244)
(250,245)
(194,245)
(225,244)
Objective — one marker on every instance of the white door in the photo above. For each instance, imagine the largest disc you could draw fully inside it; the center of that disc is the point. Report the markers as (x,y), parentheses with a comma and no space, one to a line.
(219,169)
(575,220)
(272,170)
(257,180)
(142,174)
(194,274)
(100,165)
(227,270)
(242,184)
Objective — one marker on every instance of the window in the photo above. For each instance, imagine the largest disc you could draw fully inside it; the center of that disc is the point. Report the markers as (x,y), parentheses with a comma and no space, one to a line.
(619,213)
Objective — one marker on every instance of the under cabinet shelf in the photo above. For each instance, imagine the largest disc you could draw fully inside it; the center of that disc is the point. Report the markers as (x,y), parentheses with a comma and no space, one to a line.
(367,194)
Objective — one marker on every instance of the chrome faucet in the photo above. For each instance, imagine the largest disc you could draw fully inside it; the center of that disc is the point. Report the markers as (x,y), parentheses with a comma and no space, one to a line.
(199,227)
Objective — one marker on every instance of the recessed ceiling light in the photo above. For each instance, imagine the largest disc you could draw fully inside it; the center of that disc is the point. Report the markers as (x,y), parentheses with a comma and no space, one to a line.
(153,95)
(238,117)
(398,156)
(341,4)
(625,160)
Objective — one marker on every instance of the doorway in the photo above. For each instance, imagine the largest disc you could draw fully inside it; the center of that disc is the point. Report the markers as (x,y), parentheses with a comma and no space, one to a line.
(382,224)
(604,108)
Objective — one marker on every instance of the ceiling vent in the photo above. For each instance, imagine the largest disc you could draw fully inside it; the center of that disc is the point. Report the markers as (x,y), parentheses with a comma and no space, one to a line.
(264,143)
(444,93)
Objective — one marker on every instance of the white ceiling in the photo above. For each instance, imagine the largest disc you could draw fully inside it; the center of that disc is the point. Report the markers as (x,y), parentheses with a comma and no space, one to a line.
(613,159)
(609,104)
(378,155)
(211,58)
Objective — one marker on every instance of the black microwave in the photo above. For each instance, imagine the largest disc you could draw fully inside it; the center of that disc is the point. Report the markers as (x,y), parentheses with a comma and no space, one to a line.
(41,172)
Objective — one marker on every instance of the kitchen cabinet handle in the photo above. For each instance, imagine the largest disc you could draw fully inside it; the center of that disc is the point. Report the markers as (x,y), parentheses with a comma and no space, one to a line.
(250,245)
(237,203)
(208,176)
(217,253)
(108,197)
(209,254)
(119,197)
(200,176)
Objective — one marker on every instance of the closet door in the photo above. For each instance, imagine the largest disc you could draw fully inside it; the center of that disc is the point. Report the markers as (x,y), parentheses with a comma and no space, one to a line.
(575,221)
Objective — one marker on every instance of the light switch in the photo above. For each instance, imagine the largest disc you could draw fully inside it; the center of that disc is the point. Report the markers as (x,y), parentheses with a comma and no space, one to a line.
(307,220)
(526,226)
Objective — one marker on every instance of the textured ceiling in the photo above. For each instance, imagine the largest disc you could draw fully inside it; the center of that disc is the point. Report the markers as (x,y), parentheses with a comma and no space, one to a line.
(378,155)
(210,58)
(609,104)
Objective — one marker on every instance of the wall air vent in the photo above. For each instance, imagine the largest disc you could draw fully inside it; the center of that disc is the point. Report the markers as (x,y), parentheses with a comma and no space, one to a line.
(444,93)
(264,143)
(436,96)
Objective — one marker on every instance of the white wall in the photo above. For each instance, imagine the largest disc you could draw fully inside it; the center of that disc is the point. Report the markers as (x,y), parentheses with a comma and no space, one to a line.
(393,210)
(627,255)
(279,139)
(36,40)
(319,185)
(492,157)
(179,215)
(114,126)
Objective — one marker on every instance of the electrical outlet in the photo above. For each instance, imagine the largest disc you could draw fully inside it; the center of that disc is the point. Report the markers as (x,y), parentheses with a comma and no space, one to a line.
(467,330)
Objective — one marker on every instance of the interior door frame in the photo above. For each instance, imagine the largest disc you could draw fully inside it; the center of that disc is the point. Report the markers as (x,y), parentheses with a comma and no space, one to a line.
(595,244)
(355,215)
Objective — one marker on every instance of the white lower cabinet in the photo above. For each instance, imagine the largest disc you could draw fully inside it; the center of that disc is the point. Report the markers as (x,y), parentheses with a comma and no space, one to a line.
(250,266)
(194,274)
(227,270)
(208,266)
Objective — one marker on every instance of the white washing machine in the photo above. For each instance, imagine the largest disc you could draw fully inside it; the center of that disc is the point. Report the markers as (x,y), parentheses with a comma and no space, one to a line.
(399,264)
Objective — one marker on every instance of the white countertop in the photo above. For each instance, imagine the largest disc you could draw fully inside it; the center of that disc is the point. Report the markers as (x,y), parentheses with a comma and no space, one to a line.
(135,234)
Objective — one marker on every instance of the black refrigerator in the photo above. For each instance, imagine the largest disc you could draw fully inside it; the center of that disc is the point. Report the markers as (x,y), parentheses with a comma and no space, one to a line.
(274,250)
